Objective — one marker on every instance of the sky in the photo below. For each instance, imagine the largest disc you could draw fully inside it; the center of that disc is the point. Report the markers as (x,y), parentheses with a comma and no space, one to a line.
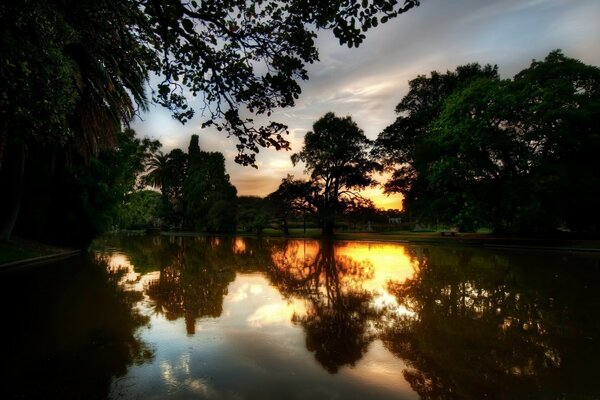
(368,82)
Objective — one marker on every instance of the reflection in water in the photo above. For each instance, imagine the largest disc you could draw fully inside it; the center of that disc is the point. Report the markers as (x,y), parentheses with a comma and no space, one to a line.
(491,326)
(68,330)
(340,312)
(248,318)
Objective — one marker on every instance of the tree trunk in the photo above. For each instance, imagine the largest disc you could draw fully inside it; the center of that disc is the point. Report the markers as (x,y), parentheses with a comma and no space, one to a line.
(3,140)
(13,192)
(328,223)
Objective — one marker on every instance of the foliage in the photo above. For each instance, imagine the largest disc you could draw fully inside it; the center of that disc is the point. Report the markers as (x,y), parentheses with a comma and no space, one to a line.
(173,179)
(336,154)
(515,155)
(245,56)
(74,200)
(400,147)
(293,197)
(208,195)
(253,214)
(141,209)
(74,72)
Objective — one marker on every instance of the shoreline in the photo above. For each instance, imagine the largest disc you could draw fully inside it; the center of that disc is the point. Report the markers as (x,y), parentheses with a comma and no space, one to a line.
(38,253)
(468,240)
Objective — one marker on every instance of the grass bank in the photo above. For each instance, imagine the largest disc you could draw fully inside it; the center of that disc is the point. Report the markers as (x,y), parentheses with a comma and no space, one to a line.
(480,239)
(485,239)
(19,249)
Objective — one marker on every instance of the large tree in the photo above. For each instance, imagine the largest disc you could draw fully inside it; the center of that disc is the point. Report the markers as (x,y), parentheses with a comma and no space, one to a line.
(515,155)
(77,64)
(208,195)
(401,146)
(336,155)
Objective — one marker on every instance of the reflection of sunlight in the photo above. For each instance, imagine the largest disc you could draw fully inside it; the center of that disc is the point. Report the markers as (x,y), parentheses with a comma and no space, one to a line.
(239,246)
(261,303)
(119,262)
(179,376)
(131,280)
(269,314)
(301,250)
(389,261)
(256,289)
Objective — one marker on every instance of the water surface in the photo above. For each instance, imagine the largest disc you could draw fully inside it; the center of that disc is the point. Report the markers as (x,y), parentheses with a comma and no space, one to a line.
(239,318)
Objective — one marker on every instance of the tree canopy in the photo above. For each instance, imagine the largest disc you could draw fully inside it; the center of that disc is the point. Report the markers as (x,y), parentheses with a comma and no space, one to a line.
(516,155)
(73,66)
(336,155)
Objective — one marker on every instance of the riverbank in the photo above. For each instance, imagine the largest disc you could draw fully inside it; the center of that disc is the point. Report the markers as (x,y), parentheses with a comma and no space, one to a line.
(20,251)
(544,243)
(482,240)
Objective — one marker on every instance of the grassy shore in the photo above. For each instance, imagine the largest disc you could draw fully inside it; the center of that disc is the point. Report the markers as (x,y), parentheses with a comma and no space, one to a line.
(548,242)
(21,249)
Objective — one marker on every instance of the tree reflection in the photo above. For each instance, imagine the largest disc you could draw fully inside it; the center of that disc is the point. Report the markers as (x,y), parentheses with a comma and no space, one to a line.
(195,282)
(339,315)
(497,326)
(72,330)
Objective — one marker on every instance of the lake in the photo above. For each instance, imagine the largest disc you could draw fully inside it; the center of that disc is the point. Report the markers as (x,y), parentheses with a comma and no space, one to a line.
(154,317)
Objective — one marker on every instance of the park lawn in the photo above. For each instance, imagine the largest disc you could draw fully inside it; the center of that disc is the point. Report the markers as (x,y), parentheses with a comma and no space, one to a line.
(481,238)
(476,239)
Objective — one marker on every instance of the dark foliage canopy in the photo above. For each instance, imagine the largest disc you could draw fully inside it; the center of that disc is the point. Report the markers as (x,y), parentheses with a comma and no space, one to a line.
(516,155)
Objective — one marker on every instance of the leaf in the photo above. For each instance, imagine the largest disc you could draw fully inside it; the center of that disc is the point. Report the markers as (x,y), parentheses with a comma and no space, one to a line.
(188,25)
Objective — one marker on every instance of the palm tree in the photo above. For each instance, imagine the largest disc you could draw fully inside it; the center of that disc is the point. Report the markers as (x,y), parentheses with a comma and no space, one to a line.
(156,170)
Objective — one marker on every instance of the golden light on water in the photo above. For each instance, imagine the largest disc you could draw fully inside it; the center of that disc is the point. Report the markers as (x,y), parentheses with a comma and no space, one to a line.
(389,261)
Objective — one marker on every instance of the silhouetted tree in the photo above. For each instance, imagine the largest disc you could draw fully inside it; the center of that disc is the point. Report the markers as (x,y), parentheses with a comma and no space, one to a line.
(515,155)
(210,199)
(339,311)
(292,197)
(401,146)
(336,154)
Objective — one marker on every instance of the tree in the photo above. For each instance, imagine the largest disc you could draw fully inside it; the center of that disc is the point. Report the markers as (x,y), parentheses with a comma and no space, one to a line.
(292,197)
(173,208)
(140,210)
(515,155)
(156,170)
(75,74)
(68,201)
(208,195)
(401,148)
(220,51)
(476,163)
(253,214)
(558,114)
(336,154)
